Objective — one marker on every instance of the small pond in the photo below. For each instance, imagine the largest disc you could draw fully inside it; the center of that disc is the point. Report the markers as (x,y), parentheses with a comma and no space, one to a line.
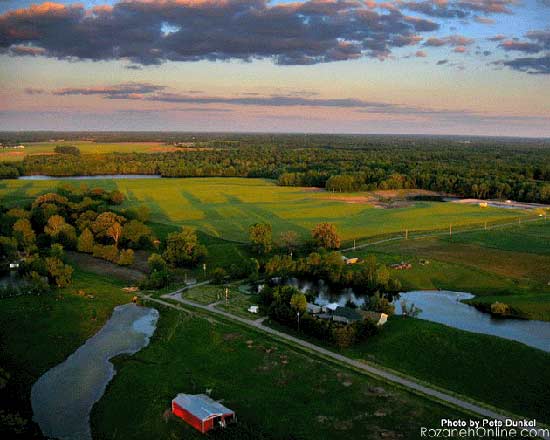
(446,308)
(443,307)
(103,176)
(63,397)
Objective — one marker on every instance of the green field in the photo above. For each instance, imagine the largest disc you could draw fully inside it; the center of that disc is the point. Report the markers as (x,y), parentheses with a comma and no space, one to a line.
(502,373)
(86,147)
(226,207)
(269,385)
(508,265)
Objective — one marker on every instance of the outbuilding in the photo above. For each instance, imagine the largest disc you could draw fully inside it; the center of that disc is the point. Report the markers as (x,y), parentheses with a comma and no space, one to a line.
(202,412)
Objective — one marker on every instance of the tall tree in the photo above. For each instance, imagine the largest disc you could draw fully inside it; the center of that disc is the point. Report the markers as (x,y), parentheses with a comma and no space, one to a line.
(326,236)
(261,237)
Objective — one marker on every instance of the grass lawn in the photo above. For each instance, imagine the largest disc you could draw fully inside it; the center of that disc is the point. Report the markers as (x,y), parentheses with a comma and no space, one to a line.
(505,374)
(237,302)
(39,332)
(502,373)
(226,207)
(270,386)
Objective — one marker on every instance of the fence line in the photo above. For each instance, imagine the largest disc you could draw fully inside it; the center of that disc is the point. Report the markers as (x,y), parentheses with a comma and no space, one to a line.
(453,230)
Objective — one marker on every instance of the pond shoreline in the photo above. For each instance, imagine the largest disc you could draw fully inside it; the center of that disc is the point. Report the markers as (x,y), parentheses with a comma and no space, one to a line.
(63,397)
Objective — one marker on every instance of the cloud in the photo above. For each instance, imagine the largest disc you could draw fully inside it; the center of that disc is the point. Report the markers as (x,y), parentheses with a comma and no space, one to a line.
(537,41)
(150,93)
(451,40)
(483,20)
(520,46)
(421,54)
(533,65)
(147,32)
(34,91)
(498,37)
(120,91)
(458,8)
(441,62)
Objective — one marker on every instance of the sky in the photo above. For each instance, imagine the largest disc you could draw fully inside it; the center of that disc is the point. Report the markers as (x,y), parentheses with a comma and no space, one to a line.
(466,67)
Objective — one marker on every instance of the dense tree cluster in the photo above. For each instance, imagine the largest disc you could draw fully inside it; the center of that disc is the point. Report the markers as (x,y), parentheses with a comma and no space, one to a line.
(367,278)
(36,234)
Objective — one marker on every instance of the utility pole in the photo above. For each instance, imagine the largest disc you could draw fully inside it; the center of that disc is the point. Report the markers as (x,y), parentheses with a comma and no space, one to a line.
(406,234)
(353,244)
(485,225)
(227,295)
(450,230)
(298,315)
(204,269)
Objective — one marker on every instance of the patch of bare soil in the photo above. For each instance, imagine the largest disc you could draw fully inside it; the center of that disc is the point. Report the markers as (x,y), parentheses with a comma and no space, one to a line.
(101,267)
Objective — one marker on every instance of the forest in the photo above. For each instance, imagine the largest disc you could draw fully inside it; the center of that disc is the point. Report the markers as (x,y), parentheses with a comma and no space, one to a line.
(504,168)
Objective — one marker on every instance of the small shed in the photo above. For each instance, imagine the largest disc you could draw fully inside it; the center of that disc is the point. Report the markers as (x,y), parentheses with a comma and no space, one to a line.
(376,317)
(202,412)
(253,309)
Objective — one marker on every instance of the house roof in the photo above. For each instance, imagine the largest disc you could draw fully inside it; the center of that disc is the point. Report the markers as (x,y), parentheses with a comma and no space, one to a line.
(349,313)
(201,405)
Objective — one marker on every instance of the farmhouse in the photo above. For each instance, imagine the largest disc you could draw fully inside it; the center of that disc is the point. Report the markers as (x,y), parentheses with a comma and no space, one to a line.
(347,315)
(202,412)
(353,260)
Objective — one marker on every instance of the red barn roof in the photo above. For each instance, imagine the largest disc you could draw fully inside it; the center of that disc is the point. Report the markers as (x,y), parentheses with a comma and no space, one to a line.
(201,406)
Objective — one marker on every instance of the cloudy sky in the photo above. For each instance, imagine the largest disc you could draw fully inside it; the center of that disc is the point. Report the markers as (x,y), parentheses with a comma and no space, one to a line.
(403,66)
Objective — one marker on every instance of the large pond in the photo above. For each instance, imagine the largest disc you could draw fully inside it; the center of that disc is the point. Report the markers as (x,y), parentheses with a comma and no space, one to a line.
(103,176)
(446,308)
(63,397)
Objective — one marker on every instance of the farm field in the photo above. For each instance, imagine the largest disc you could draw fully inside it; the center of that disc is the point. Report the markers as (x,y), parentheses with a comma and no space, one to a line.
(242,367)
(86,147)
(508,265)
(190,354)
(226,207)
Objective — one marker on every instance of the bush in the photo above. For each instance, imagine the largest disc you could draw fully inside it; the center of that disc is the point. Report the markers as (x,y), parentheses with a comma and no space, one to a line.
(500,309)
(126,257)
(86,241)
(109,252)
(218,275)
(156,263)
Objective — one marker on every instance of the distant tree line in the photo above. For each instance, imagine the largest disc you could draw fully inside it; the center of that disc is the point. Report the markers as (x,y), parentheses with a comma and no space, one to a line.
(483,169)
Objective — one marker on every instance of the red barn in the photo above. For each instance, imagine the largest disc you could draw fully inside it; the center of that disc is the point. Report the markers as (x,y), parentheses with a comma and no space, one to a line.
(202,412)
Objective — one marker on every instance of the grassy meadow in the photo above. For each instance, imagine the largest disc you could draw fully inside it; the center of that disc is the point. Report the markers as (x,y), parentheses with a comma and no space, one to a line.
(86,147)
(226,207)
(510,265)
(269,385)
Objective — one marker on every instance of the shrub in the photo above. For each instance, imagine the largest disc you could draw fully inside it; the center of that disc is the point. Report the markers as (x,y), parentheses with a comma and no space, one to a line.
(218,275)
(126,257)
(109,253)
(86,241)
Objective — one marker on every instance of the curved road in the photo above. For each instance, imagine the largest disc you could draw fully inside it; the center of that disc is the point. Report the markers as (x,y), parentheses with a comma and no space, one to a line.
(386,375)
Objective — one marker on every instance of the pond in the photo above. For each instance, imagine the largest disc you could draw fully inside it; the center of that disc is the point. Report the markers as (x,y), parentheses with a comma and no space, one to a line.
(63,397)
(103,176)
(446,308)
